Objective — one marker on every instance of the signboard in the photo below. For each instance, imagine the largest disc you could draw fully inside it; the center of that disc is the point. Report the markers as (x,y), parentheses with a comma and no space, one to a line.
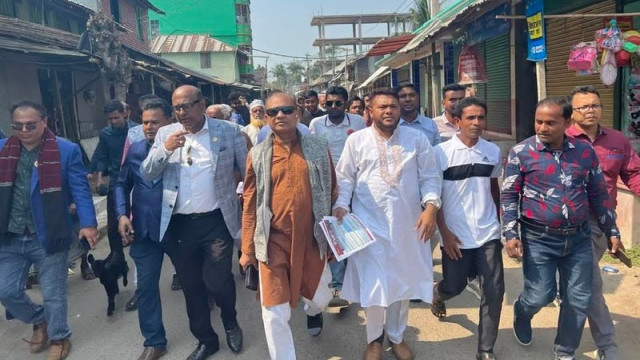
(536,46)
(487,26)
(471,68)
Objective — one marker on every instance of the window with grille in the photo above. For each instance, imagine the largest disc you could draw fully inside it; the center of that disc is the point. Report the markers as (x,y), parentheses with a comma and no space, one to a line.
(242,14)
(205,60)
(155,28)
(115,9)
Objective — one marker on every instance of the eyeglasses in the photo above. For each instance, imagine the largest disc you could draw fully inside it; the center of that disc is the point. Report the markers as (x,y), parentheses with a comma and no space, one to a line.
(189,159)
(186,106)
(330,103)
(30,126)
(586,108)
(287,110)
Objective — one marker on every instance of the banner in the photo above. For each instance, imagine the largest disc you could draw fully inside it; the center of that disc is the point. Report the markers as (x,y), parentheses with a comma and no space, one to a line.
(471,68)
(537,48)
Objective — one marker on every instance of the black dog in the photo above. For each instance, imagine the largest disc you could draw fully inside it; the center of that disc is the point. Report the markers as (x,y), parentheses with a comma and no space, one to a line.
(109,271)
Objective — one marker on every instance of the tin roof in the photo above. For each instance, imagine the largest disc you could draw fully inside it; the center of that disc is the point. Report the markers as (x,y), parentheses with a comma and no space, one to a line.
(188,44)
(389,45)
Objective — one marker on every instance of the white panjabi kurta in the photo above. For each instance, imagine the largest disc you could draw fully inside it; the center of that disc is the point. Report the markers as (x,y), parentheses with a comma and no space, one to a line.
(387,182)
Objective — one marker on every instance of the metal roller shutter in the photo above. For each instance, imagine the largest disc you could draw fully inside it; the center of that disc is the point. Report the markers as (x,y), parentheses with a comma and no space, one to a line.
(561,35)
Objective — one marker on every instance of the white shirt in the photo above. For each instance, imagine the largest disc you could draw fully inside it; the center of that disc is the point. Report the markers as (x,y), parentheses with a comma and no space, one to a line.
(336,135)
(446,128)
(196,193)
(387,182)
(252,131)
(467,204)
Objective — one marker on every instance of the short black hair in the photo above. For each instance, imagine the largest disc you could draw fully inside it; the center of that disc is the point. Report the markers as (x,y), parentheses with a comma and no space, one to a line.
(161,104)
(279,92)
(146,97)
(338,90)
(381,92)
(465,103)
(354,99)
(405,85)
(585,89)
(234,96)
(566,108)
(311,93)
(452,87)
(114,105)
(26,104)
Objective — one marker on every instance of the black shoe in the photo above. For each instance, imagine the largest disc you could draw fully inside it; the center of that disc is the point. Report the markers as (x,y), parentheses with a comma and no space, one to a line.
(314,324)
(485,355)
(234,339)
(204,351)
(132,304)
(521,328)
(175,283)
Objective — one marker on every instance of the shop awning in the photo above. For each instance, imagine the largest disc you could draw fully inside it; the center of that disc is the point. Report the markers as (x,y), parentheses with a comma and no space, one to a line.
(441,21)
(389,45)
(27,47)
(375,76)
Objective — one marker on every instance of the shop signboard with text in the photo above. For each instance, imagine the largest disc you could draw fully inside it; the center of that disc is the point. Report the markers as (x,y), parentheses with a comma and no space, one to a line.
(536,44)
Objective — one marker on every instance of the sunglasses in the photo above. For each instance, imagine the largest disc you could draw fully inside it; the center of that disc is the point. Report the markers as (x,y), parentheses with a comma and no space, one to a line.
(330,103)
(29,126)
(189,159)
(186,106)
(287,110)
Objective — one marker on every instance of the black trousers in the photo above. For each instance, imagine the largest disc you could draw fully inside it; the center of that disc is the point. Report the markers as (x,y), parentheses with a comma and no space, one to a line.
(201,248)
(115,240)
(486,263)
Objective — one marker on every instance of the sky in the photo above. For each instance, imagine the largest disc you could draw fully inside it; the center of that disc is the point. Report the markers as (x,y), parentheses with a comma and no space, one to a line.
(283,26)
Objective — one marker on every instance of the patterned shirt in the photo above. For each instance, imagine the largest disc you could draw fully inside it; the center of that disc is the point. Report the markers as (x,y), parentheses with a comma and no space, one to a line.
(557,188)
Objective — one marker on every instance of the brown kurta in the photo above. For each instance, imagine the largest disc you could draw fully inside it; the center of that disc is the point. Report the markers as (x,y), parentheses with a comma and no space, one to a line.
(295,266)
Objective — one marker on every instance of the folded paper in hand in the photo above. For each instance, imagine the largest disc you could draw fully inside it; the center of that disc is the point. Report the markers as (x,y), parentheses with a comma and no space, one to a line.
(347,237)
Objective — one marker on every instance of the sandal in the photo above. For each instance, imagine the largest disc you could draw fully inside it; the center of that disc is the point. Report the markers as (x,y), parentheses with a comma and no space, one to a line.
(438,309)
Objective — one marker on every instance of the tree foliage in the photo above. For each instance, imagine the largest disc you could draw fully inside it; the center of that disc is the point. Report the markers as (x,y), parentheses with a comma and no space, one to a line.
(420,13)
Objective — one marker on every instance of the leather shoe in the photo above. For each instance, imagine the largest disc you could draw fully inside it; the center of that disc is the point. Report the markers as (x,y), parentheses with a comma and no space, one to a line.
(402,351)
(39,338)
(152,353)
(485,355)
(132,304)
(373,351)
(204,351)
(234,339)
(59,349)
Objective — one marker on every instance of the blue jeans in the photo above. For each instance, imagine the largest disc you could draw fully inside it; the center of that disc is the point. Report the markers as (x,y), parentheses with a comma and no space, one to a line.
(17,254)
(337,273)
(572,258)
(148,256)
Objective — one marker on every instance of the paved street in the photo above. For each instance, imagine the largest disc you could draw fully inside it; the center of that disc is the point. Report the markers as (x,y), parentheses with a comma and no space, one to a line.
(98,337)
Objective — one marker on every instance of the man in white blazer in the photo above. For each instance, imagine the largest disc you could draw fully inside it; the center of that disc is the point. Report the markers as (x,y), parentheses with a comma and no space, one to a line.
(197,159)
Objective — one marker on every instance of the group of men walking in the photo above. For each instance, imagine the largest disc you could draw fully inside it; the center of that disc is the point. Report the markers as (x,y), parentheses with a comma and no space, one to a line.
(412,180)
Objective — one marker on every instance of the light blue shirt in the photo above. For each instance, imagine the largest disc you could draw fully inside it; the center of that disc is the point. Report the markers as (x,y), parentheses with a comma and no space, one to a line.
(427,126)
(266,130)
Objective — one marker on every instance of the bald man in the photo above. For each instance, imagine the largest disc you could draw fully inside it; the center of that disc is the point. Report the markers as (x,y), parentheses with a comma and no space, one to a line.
(197,159)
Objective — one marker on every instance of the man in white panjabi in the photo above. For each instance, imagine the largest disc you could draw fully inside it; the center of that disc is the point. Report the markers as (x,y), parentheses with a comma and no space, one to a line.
(389,175)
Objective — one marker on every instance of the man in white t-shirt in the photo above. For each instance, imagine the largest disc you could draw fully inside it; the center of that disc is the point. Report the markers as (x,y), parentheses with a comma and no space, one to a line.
(468,221)
(336,126)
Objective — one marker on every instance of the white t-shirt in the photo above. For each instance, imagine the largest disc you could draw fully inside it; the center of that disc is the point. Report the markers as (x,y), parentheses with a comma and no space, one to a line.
(468,207)
(336,135)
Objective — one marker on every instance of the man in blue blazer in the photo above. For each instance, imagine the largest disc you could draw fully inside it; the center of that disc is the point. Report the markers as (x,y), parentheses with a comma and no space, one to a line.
(197,160)
(143,230)
(39,175)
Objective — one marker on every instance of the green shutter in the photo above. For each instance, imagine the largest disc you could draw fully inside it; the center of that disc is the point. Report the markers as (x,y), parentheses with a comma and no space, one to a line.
(497,92)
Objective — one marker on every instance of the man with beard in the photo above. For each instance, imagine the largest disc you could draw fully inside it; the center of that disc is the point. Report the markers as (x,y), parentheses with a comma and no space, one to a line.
(311,105)
(388,173)
(446,123)
(256,109)
(336,126)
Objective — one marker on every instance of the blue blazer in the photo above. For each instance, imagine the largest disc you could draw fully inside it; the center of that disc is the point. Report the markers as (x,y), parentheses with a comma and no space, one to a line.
(146,200)
(75,187)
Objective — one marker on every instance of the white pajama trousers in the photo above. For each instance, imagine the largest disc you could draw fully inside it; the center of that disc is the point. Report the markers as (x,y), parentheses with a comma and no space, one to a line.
(276,319)
(397,317)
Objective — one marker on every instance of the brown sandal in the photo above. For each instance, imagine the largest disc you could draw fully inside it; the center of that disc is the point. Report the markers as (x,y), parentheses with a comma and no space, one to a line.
(438,309)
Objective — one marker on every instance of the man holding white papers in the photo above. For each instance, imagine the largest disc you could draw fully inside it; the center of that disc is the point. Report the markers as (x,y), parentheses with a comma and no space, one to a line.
(289,187)
(389,175)
(469,221)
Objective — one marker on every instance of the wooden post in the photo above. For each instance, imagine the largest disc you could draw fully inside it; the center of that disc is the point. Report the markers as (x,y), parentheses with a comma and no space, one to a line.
(541,79)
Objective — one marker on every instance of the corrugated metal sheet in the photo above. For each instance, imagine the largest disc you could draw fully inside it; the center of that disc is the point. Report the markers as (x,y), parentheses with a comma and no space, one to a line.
(188,44)
(389,45)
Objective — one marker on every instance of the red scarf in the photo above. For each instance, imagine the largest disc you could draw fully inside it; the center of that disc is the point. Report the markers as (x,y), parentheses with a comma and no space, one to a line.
(50,180)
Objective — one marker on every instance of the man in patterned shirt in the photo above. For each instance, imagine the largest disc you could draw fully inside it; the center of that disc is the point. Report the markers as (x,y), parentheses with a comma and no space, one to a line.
(554,182)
